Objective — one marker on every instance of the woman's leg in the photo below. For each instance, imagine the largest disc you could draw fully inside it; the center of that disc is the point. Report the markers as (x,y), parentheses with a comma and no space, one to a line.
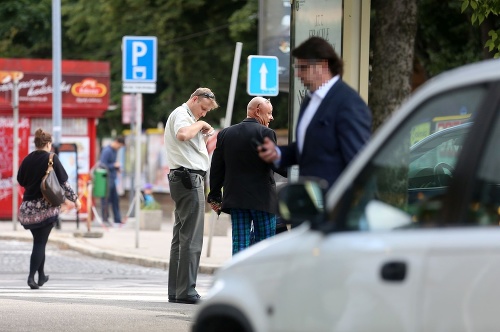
(37,262)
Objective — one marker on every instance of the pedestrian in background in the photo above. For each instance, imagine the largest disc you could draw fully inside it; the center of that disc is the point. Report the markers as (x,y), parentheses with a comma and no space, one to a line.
(108,161)
(241,183)
(35,213)
(187,157)
(334,123)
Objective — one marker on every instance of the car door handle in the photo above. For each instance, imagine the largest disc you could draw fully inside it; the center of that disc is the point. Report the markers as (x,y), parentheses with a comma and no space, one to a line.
(393,271)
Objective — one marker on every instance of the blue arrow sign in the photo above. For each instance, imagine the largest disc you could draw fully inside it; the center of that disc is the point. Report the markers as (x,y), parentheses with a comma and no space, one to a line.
(262,76)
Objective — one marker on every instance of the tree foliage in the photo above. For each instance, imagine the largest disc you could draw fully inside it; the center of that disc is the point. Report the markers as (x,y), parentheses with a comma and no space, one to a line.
(197,40)
(445,38)
(196,44)
(25,28)
(481,10)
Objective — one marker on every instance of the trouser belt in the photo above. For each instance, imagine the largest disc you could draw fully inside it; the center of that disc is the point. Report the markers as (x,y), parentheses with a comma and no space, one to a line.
(202,173)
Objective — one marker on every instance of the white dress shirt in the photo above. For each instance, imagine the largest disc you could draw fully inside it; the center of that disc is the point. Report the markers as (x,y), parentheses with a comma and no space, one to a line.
(316,99)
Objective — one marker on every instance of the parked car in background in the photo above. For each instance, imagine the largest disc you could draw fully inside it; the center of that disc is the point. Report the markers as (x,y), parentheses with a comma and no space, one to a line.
(432,161)
(406,240)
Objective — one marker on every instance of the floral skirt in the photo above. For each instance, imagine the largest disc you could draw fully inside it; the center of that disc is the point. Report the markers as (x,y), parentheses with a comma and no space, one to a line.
(37,213)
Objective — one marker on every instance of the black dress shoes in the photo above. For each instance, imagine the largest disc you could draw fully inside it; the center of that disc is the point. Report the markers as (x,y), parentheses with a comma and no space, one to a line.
(32,283)
(190,300)
(42,281)
(171,298)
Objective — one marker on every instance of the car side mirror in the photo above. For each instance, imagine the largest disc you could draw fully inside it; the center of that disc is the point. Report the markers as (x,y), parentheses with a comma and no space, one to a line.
(302,201)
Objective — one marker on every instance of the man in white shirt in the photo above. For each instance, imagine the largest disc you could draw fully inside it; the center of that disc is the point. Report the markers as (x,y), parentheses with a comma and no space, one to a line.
(187,157)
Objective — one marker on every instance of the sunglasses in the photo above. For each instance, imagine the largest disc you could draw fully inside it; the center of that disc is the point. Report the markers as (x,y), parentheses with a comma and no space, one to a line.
(206,95)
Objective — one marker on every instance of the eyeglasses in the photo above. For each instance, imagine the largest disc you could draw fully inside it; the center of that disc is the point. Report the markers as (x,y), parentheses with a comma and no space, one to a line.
(206,95)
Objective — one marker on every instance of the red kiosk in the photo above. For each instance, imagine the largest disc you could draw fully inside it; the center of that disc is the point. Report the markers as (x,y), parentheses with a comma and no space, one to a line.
(85,97)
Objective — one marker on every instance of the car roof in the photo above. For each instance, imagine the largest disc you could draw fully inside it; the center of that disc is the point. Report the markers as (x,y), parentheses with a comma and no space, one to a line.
(437,138)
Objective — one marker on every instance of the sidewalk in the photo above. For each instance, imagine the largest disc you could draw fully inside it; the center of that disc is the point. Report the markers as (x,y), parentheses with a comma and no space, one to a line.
(119,244)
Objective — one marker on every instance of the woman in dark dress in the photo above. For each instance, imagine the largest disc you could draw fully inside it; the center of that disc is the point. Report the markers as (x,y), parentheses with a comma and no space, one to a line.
(35,213)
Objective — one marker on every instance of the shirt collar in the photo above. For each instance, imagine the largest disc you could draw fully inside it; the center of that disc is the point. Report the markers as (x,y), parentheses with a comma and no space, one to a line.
(323,90)
(189,111)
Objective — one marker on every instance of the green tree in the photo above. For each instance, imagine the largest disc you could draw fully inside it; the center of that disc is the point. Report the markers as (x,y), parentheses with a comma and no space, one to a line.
(445,38)
(25,28)
(194,46)
(484,13)
(196,38)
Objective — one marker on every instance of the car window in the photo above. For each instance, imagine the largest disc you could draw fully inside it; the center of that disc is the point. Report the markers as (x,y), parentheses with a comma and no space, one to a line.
(416,163)
(433,159)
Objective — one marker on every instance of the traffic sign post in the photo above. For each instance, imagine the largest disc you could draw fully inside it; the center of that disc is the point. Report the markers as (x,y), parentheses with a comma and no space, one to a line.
(139,64)
(262,76)
(138,76)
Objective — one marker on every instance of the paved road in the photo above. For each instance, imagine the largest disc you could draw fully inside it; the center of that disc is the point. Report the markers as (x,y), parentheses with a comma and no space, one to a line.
(87,294)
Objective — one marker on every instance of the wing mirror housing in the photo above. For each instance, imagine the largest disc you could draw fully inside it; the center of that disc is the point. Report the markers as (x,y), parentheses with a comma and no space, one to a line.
(302,201)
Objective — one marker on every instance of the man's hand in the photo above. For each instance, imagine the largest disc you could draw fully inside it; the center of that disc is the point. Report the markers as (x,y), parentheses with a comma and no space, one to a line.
(217,207)
(187,133)
(207,130)
(215,202)
(267,150)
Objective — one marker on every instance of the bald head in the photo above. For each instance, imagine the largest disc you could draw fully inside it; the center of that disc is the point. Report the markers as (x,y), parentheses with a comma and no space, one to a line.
(261,109)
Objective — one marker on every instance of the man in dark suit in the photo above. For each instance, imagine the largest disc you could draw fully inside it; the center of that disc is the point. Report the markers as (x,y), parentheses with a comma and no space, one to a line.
(334,122)
(249,193)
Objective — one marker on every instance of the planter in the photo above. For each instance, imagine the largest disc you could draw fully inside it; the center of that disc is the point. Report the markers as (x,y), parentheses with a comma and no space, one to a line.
(151,220)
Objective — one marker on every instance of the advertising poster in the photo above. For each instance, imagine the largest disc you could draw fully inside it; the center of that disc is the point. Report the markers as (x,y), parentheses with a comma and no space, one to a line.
(157,168)
(6,158)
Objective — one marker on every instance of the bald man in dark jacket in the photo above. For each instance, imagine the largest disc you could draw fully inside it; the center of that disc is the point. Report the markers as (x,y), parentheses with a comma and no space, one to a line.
(242,181)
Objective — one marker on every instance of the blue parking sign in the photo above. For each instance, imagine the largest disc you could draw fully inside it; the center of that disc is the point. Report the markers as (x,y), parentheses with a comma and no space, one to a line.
(262,76)
(139,59)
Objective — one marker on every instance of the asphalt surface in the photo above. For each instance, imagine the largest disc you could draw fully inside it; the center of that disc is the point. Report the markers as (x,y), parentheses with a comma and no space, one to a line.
(148,248)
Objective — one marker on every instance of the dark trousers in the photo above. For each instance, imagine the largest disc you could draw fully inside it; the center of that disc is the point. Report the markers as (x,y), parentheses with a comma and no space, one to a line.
(114,200)
(187,240)
(37,261)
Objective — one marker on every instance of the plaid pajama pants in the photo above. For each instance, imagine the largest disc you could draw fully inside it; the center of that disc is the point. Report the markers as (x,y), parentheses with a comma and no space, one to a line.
(264,226)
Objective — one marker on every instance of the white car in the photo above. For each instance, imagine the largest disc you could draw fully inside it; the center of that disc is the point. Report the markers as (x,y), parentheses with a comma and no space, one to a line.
(377,252)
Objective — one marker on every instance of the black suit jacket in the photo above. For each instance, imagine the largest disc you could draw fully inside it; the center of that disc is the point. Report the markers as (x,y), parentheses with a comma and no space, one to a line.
(336,133)
(247,181)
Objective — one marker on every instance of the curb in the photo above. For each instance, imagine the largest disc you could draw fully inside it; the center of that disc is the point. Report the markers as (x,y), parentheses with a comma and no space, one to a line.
(110,255)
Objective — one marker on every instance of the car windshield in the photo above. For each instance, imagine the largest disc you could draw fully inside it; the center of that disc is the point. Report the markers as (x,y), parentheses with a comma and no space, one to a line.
(416,164)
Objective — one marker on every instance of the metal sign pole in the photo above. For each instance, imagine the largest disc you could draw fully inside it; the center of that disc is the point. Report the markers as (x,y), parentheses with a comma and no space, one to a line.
(138,129)
(232,88)
(138,76)
(15,156)
(56,73)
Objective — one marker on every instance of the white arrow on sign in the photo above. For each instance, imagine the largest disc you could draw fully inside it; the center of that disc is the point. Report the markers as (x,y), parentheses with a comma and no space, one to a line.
(263,76)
